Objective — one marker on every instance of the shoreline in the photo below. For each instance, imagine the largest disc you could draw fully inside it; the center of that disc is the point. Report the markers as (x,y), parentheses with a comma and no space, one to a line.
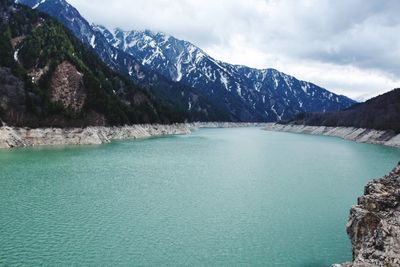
(360,135)
(13,137)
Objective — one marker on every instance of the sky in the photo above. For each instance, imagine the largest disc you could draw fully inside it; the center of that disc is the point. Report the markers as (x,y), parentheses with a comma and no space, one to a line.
(350,47)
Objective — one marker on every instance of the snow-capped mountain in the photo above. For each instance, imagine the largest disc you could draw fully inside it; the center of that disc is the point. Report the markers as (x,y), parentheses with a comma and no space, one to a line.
(188,78)
(271,94)
(176,94)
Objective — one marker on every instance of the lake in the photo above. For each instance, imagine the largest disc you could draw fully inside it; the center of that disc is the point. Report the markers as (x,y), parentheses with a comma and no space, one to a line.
(218,197)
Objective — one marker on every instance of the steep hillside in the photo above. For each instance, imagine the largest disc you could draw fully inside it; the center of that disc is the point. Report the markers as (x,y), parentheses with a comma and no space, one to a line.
(188,78)
(381,113)
(48,78)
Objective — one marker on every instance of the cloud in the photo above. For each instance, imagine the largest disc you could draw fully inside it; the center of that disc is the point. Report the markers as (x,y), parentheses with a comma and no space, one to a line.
(348,46)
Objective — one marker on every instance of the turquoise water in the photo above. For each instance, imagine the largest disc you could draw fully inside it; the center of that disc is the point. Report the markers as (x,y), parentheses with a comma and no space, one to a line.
(219,197)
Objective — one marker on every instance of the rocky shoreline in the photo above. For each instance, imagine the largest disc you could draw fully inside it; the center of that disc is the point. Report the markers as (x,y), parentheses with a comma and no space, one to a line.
(374,224)
(11,137)
(387,138)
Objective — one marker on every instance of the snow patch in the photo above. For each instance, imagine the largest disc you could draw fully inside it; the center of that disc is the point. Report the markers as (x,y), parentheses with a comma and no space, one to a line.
(224,81)
(149,60)
(257,86)
(305,87)
(179,73)
(288,81)
(38,4)
(238,89)
(16,55)
(279,117)
(92,41)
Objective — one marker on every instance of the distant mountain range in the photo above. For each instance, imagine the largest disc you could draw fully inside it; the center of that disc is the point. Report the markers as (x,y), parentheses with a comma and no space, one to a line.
(381,113)
(191,80)
(270,94)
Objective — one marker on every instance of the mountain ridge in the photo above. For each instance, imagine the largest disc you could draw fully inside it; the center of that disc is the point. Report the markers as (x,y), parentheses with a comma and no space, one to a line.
(381,113)
(180,60)
(206,86)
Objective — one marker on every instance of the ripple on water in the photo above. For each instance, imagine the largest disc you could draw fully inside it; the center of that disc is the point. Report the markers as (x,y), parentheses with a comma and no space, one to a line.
(217,197)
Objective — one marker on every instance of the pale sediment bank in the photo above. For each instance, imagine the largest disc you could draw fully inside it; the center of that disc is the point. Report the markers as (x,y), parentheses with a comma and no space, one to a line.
(387,138)
(24,137)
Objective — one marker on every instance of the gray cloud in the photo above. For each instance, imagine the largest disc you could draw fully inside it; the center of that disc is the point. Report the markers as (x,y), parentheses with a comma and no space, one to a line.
(348,46)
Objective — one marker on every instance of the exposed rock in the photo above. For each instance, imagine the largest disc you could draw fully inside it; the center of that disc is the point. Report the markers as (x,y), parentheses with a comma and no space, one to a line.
(67,87)
(24,137)
(374,224)
(17,40)
(37,73)
(387,138)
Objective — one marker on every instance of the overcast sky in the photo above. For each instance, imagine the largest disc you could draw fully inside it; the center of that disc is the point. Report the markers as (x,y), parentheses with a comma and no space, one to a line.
(350,47)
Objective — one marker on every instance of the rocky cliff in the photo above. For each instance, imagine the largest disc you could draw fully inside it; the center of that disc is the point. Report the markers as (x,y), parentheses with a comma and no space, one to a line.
(387,138)
(374,224)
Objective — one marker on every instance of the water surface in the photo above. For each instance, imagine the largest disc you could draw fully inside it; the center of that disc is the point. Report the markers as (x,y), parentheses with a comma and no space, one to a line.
(219,197)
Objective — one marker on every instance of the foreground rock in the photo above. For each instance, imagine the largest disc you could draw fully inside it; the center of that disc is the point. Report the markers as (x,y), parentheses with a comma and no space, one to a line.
(24,137)
(388,138)
(374,224)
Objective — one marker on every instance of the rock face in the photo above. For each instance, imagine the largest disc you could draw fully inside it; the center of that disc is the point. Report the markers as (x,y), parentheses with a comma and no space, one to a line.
(67,87)
(387,138)
(374,224)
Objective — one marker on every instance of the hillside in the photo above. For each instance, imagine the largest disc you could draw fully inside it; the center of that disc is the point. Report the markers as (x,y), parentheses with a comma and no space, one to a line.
(381,113)
(48,78)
